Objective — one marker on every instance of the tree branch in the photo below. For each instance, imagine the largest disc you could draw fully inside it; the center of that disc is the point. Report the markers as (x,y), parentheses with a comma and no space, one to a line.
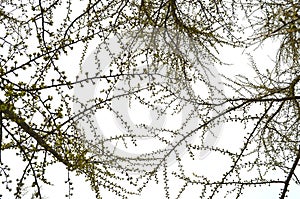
(289,177)
(7,110)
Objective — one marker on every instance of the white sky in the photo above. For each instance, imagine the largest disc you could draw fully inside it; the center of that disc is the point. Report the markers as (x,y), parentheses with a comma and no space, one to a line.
(230,134)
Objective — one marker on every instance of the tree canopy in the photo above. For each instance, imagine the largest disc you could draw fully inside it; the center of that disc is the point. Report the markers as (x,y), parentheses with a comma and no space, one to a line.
(153,52)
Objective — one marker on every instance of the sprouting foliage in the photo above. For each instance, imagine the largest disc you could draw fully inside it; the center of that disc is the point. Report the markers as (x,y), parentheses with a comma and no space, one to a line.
(165,49)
